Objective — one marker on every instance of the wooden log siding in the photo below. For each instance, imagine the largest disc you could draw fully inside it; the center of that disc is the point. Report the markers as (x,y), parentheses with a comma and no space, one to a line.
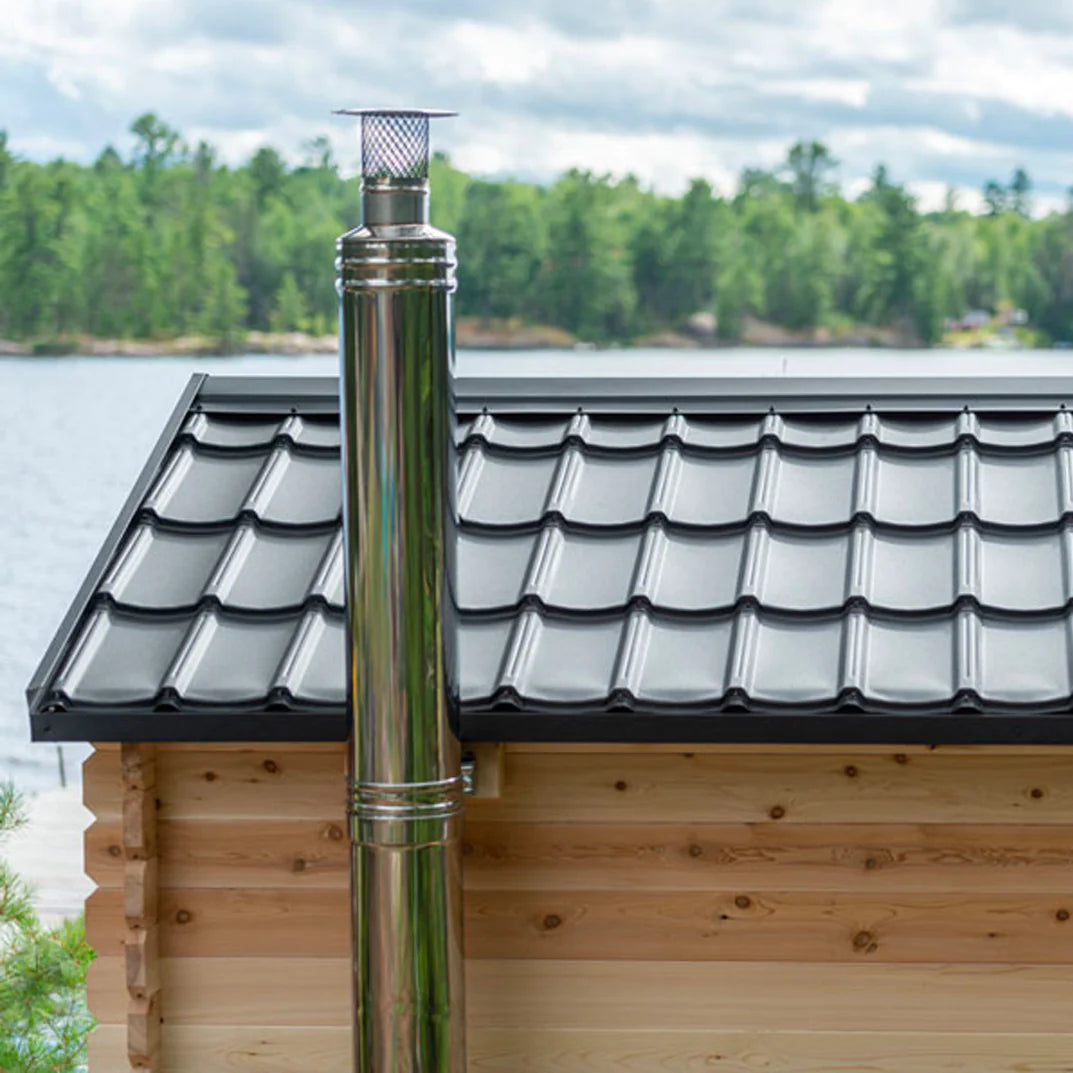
(628,909)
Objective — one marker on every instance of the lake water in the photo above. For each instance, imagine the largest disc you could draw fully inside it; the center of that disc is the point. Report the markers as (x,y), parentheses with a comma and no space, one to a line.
(76,433)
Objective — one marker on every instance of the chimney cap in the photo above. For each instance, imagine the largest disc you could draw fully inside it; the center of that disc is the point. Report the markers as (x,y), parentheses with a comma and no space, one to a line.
(394,143)
(427,113)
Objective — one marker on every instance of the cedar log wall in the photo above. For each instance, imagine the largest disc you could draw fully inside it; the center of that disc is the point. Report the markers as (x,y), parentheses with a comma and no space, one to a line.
(628,909)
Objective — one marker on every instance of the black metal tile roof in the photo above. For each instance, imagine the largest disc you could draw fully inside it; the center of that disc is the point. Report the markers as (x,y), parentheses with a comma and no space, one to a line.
(869,573)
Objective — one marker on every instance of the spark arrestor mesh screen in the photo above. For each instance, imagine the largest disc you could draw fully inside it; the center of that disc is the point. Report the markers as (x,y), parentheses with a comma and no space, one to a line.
(394,146)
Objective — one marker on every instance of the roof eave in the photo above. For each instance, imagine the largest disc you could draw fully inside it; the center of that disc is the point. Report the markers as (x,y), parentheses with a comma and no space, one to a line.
(566,725)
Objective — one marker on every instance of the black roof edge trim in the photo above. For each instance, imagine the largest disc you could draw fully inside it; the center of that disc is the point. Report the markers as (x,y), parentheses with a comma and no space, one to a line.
(844,729)
(768,728)
(568,726)
(61,640)
(190,725)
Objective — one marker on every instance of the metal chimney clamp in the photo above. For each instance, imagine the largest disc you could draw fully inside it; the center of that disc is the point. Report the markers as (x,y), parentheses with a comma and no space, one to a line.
(469,774)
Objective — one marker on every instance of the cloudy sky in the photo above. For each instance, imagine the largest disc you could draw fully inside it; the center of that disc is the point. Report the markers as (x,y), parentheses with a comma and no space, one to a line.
(947,92)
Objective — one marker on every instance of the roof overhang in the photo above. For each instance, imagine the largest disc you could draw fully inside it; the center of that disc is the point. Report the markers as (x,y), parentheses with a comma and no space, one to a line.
(726,385)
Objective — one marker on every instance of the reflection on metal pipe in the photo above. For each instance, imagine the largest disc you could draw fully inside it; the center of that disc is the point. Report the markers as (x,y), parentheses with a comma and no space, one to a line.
(396,279)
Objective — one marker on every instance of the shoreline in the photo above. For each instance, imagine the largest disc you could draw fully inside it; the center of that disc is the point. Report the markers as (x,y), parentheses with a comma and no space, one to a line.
(473,333)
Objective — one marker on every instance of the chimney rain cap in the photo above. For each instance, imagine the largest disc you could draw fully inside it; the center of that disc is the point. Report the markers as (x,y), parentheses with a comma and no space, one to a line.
(394,141)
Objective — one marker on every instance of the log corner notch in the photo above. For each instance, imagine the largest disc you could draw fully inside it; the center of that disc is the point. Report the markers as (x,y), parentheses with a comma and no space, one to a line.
(140,905)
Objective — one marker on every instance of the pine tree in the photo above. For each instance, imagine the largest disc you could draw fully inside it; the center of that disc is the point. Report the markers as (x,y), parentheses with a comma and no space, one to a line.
(43,1017)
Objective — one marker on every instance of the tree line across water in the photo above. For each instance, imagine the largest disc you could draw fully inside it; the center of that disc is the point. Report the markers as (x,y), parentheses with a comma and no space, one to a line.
(170,242)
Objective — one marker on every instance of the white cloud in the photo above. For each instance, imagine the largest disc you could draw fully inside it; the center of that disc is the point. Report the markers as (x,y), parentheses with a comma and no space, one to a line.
(944,91)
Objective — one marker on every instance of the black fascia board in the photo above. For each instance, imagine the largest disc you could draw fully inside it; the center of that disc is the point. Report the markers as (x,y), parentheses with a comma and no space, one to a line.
(696,726)
(189,725)
(57,648)
(772,728)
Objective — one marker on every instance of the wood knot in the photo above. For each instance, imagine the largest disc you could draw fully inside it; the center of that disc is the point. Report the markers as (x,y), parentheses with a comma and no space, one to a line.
(183,916)
(1035,793)
(552,921)
(866,941)
(850,771)
(1062,916)
(115,851)
(742,902)
(871,864)
(298,865)
(777,812)
(334,832)
(210,776)
(270,766)
(621,785)
(695,850)
(901,758)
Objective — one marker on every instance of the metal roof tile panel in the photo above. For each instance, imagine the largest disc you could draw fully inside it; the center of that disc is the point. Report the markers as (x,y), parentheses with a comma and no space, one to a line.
(912,572)
(606,491)
(587,572)
(802,573)
(504,491)
(707,495)
(120,659)
(202,489)
(273,570)
(231,432)
(1026,662)
(309,671)
(556,661)
(491,569)
(685,662)
(1019,490)
(911,662)
(230,660)
(794,662)
(813,491)
(161,570)
(698,572)
(296,490)
(614,563)
(916,491)
(1024,572)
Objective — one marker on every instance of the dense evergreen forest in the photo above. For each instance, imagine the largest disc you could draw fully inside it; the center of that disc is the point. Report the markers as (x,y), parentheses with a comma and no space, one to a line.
(170,242)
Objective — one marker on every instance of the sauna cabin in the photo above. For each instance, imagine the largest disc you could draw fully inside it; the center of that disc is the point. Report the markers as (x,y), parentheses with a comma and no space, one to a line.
(765,697)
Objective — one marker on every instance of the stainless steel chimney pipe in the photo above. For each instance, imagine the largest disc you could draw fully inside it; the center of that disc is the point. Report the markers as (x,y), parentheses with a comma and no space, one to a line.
(396,279)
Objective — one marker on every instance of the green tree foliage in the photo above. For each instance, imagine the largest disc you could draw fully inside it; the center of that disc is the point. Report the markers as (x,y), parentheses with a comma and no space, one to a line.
(43,1016)
(501,233)
(168,241)
(586,278)
(289,314)
(810,165)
